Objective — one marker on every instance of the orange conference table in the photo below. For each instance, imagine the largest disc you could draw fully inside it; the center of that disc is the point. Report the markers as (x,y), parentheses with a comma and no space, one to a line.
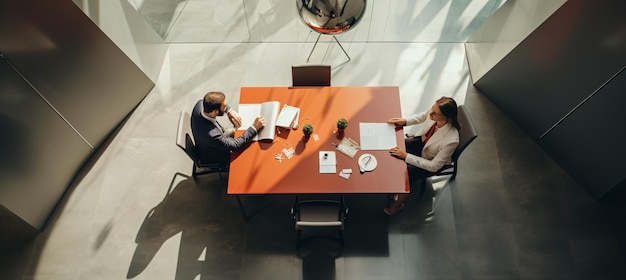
(256,171)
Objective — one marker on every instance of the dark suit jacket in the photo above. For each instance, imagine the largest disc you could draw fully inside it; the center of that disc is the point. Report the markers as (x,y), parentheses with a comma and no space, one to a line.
(213,146)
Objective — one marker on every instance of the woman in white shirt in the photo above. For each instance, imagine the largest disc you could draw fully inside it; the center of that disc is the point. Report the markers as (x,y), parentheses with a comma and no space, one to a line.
(431,148)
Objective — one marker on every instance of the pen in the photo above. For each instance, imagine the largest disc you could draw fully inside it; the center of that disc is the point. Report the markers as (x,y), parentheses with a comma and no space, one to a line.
(353,142)
(367,161)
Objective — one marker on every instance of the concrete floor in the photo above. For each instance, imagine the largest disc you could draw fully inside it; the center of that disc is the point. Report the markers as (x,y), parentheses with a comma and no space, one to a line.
(511,213)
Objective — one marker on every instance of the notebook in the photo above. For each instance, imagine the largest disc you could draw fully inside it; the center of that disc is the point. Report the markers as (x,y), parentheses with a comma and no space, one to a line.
(288,116)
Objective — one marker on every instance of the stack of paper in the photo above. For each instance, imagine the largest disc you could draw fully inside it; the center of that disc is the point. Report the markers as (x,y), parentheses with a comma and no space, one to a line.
(377,136)
(288,116)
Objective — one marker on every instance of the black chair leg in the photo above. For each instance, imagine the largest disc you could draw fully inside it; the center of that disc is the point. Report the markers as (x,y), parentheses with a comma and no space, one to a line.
(243,210)
(298,236)
(341,238)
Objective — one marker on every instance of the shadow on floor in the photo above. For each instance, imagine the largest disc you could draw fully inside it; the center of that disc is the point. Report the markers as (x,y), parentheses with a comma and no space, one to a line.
(210,242)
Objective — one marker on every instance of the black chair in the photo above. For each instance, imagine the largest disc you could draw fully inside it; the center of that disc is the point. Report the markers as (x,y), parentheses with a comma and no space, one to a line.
(184,140)
(467,134)
(310,75)
(316,217)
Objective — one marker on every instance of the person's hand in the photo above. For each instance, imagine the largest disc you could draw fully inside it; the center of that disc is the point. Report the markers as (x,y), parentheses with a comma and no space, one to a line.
(397,152)
(234,118)
(398,122)
(259,123)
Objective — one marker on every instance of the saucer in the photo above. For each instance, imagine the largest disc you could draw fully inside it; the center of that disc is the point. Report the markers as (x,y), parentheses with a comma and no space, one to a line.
(367,162)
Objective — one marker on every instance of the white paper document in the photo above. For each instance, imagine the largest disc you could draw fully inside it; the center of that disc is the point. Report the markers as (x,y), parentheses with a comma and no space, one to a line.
(377,136)
(328,162)
(248,113)
(269,110)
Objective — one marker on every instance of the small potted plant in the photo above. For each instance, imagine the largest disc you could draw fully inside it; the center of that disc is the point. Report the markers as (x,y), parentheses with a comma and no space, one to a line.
(342,123)
(307,129)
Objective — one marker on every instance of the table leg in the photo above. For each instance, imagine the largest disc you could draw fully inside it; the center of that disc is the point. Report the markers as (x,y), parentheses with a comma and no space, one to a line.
(243,210)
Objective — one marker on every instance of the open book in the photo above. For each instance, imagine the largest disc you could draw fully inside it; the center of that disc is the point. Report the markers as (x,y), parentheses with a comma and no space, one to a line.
(269,111)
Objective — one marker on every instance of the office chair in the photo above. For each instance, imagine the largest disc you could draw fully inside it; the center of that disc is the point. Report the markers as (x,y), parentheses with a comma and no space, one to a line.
(467,134)
(184,140)
(310,75)
(316,216)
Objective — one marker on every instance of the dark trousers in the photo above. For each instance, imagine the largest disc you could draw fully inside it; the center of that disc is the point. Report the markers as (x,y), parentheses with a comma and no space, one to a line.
(414,145)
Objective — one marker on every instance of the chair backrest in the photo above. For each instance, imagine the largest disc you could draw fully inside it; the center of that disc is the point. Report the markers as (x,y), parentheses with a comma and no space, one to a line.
(310,75)
(467,134)
(184,136)
(319,213)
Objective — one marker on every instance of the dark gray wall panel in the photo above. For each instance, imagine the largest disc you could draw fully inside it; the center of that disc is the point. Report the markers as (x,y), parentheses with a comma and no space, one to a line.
(73,63)
(568,57)
(84,86)
(14,231)
(590,142)
(39,152)
(564,60)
